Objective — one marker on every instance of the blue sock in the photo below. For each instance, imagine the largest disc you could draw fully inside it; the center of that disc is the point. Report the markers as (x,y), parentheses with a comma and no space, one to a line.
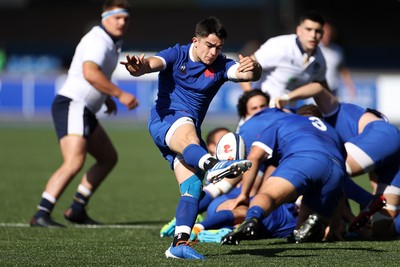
(396,223)
(255,212)
(45,207)
(186,211)
(192,155)
(357,193)
(186,214)
(219,219)
(205,201)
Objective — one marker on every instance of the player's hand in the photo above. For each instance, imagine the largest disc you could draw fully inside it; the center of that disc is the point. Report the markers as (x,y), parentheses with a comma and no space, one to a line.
(239,200)
(229,204)
(134,64)
(111,106)
(279,102)
(247,64)
(128,100)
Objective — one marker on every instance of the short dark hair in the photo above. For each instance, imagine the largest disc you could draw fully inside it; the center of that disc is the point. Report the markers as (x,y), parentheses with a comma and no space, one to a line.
(313,16)
(109,4)
(244,98)
(309,110)
(211,135)
(211,25)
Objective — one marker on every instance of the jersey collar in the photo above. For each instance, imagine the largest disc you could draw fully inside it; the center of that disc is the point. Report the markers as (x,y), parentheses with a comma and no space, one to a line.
(112,38)
(299,45)
(191,53)
(306,59)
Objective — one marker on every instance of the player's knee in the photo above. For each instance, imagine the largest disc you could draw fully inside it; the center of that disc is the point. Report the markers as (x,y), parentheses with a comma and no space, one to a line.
(73,167)
(113,159)
(192,186)
(109,159)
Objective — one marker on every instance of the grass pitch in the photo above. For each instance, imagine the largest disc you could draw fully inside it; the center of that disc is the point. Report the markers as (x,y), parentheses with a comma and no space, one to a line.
(134,202)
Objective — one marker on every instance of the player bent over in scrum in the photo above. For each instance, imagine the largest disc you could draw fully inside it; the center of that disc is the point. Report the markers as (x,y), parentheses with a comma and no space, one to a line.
(311,164)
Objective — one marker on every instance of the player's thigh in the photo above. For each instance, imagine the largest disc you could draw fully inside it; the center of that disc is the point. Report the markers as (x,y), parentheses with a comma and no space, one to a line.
(317,177)
(279,189)
(377,146)
(99,145)
(73,150)
(183,134)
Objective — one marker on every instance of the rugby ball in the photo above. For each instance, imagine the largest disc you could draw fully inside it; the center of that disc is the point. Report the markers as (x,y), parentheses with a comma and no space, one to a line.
(231,147)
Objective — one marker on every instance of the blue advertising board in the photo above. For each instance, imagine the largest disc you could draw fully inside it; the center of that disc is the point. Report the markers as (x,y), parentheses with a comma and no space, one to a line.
(31,96)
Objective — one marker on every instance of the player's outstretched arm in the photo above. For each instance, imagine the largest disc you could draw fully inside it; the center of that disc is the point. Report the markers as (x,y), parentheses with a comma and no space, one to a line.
(139,65)
(326,101)
(249,69)
(98,80)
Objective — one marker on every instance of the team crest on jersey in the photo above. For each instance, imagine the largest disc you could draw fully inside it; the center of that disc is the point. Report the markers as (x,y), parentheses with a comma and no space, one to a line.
(209,72)
(183,69)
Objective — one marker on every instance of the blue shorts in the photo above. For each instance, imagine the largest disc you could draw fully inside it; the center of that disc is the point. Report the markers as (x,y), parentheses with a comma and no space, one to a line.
(381,142)
(281,222)
(317,177)
(72,117)
(158,128)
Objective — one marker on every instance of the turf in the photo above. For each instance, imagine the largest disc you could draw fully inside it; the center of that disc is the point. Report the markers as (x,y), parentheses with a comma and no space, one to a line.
(138,197)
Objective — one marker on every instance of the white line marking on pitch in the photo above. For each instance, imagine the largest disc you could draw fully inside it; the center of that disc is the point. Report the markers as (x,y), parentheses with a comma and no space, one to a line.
(101,226)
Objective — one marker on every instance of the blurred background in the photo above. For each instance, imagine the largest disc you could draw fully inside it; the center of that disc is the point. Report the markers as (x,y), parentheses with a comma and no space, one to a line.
(38,39)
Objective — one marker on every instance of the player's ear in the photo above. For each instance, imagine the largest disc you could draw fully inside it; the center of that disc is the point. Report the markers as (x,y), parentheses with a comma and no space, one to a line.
(298,29)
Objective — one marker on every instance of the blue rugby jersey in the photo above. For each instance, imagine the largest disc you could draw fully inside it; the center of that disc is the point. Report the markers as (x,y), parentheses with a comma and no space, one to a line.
(188,86)
(283,135)
(252,128)
(345,120)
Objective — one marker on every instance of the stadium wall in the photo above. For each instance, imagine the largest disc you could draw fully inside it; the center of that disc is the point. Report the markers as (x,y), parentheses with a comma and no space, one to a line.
(29,96)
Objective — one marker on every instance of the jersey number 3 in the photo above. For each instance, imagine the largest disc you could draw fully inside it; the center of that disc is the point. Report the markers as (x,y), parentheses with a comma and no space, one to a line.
(318,123)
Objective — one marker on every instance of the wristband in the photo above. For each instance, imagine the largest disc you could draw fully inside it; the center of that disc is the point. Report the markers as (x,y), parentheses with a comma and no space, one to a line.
(285,97)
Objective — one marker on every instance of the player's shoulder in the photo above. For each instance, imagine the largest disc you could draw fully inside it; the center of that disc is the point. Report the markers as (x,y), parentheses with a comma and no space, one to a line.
(278,45)
(98,37)
(286,40)
(175,51)
(264,117)
(98,32)
(181,48)
(350,108)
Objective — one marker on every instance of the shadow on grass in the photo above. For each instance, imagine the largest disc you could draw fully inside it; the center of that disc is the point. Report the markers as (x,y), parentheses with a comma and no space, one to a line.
(273,252)
(140,223)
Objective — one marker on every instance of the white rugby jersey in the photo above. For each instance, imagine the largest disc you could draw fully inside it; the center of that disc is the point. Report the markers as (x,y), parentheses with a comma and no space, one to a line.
(334,58)
(285,65)
(98,47)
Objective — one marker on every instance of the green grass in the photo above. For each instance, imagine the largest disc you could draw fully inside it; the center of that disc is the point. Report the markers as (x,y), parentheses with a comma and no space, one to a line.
(141,193)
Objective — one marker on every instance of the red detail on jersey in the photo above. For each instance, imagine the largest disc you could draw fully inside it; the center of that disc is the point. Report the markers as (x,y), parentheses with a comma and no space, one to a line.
(209,72)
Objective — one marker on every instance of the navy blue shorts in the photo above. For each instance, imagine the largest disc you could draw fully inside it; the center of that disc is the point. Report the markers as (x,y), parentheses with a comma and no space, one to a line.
(72,117)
